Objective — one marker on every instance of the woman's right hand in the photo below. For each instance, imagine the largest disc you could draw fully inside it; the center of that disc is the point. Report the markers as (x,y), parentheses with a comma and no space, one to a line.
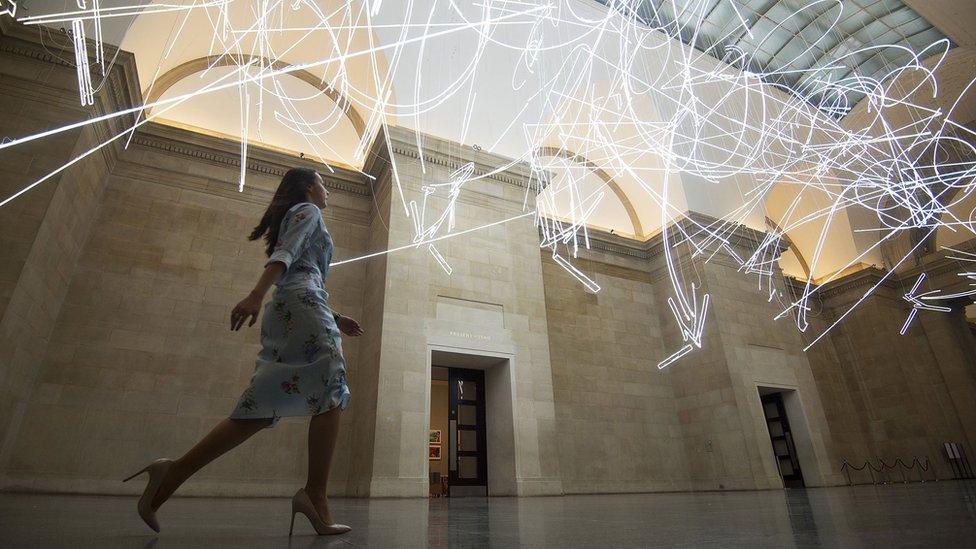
(247,308)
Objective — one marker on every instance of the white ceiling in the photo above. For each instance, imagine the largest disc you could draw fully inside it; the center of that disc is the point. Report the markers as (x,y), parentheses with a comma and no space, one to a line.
(478,86)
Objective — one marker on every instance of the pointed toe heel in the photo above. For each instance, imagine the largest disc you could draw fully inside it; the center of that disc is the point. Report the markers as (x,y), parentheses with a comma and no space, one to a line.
(157,472)
(301,503)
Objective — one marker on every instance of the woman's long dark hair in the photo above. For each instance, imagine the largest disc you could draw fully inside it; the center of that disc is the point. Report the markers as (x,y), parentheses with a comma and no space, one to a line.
(293,189)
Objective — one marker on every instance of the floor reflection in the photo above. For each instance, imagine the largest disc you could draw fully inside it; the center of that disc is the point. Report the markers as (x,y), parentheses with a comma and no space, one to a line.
(895,515)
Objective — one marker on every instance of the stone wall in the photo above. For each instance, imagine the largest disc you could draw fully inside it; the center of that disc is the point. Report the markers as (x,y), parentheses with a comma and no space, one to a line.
(367,371)
(624,424)
(43,230)
(118,276)
(141,362)
(615,411)
(416,305)
(887,395)
(756,352)
(863,392)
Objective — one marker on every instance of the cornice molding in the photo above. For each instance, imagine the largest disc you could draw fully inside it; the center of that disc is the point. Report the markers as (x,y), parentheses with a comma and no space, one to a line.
(18,46)
(934,267)
(599,242)
(25,41)
(937,263)
(689,224)
(128,169)
(120,90)
(402,142)
(870,276)
(197,146)
(480,170)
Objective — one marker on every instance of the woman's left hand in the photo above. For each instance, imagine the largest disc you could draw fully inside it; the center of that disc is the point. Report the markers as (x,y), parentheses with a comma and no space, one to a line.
(247,309)
(349,326)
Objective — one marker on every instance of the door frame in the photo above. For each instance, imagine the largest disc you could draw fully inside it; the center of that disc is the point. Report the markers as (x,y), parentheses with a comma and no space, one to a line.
(500,412)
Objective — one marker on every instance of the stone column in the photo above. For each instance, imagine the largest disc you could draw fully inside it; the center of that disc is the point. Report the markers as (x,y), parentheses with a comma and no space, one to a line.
(496,272)
(371,345)
(903,389)
(717,387)
(42,231)
(954,352)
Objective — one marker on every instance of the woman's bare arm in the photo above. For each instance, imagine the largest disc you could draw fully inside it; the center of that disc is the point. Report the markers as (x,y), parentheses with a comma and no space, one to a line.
(271,273)
(249,307)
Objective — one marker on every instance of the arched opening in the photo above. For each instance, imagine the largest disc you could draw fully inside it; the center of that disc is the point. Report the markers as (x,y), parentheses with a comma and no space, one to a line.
(561,194)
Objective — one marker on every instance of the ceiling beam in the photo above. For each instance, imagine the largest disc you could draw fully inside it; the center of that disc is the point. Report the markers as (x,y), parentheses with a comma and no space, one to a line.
(955,18)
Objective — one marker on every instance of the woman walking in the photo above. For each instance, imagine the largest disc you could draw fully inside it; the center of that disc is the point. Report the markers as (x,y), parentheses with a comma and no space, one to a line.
(300,370)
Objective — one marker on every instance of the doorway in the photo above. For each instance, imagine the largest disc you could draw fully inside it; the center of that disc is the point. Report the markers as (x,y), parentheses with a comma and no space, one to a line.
(457,449)
(475,455)
(781,438)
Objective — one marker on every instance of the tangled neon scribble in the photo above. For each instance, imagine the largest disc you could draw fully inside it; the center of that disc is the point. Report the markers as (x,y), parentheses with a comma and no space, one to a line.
(801,118)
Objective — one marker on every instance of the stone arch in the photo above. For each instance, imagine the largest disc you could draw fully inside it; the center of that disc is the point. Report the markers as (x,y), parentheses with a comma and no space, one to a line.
(792,247)
(559,152)
(168,79)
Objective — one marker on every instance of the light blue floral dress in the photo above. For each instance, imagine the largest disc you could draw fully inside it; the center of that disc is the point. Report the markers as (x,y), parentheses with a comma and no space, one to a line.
(300,370)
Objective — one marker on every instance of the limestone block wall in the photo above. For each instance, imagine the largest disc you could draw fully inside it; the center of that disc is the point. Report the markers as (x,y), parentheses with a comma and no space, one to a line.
(43,230)
(367,370)
(616,412)
(954,346)
(761,352)
(711,435)
(716,388)
(834,381)
(699,422)
(142,362)
(862,392)
(497,273)
(891,396)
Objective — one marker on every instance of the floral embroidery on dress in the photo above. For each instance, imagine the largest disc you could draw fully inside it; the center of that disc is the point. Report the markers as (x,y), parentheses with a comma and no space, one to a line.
(291,386)
(314,405)
(338,379)
(307,271)
(284,315)
(333,351)
(307,298)
(247,399)
(312,347)
(300,368)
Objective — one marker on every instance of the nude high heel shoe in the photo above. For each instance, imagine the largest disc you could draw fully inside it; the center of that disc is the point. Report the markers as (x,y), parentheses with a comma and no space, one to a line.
(157,471)
(300,503)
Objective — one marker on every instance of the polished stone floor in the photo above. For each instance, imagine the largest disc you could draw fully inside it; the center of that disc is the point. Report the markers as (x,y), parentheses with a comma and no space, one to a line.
(941,514)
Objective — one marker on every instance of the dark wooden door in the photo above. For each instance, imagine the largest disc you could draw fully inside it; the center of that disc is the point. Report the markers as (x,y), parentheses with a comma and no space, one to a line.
(781,438)
(467,455)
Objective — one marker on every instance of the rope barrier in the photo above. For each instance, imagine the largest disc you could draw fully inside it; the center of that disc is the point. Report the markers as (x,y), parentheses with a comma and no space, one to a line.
(883,466)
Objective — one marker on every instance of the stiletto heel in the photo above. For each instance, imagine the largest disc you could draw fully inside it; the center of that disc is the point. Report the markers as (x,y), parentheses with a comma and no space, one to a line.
(157,471)
(137,473)
(301,503)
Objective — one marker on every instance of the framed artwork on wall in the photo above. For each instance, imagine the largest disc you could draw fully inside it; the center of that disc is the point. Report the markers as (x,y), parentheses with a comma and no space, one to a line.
(434,437)
(434,452)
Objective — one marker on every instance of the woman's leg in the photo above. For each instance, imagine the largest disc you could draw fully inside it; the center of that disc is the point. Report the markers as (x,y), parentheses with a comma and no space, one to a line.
(225,436)
(323,430)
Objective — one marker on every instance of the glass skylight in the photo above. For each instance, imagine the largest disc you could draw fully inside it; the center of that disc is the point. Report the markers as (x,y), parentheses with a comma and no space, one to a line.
(798,44)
